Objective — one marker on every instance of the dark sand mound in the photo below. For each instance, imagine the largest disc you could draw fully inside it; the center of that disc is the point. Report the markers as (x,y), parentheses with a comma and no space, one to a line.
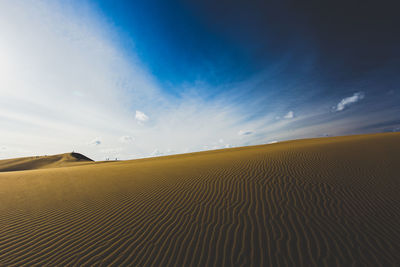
(316,202)
(41,162)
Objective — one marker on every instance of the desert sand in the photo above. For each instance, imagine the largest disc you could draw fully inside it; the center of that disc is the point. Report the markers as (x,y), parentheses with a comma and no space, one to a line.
(314,202)
(43,162)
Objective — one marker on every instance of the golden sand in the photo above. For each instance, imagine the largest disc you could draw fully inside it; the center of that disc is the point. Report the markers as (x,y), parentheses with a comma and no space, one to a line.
(42,162)
(328,201)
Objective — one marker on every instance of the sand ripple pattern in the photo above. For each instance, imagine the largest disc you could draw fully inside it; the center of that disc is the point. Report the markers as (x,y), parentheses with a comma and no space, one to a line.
(324,202)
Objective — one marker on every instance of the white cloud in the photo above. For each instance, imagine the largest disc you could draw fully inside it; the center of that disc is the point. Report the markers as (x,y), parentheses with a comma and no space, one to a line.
(289,115)
(95,142)
(111,152)
(127,139)
(349,100)
(156,153)
(245,132)
(141,117)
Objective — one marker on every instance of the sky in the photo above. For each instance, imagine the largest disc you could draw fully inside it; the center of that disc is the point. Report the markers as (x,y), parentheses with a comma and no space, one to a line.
(133,79)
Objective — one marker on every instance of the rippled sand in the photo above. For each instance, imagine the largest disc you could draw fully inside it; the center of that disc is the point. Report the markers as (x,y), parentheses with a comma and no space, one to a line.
(315,202)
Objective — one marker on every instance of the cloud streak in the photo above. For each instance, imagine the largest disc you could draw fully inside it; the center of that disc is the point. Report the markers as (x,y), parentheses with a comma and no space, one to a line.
(95,142)
(289,115)
(127,139)
(245,132)
(347,101)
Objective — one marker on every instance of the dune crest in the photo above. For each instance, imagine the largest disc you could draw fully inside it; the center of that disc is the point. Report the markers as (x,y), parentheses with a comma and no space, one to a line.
(42,162)
(316,202)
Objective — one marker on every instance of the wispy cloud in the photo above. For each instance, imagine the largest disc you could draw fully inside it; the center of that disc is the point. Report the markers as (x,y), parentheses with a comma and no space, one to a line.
(245,132)
(95,142)
(156,153)
(289,115)
(141,117)
(126,139)
(345,102)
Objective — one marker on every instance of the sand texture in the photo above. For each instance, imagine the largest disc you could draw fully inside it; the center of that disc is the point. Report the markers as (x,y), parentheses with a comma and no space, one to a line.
(315,202)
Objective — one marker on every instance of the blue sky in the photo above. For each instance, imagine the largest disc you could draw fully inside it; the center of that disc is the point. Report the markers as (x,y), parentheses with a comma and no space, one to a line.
(132,79)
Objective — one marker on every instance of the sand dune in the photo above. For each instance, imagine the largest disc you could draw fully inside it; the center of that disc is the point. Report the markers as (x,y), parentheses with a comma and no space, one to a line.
(316,202)
(42,162)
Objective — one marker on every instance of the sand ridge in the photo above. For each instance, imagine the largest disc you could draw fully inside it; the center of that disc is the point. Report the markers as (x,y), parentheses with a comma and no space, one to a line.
(315,202)
(42,162)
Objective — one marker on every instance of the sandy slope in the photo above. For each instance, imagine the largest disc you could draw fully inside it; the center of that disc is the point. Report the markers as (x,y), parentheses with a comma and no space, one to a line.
(331,201)
(42,162)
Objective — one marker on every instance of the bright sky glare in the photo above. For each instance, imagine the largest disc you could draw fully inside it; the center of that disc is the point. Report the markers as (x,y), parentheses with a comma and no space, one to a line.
(78,75)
